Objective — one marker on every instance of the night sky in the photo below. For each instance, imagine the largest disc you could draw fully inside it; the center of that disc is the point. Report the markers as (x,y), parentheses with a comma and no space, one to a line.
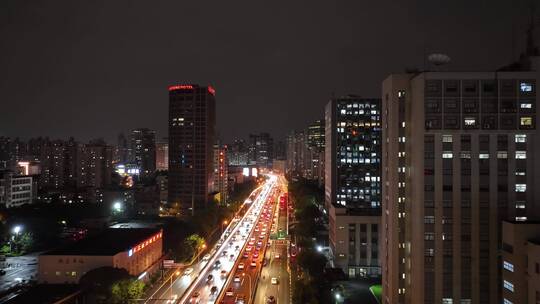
(93,69)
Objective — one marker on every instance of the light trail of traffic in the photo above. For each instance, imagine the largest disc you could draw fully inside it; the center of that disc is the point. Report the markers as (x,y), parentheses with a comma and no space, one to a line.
(220,264)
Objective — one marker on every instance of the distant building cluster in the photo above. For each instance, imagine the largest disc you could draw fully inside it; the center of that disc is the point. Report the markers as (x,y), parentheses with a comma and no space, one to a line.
(305,152)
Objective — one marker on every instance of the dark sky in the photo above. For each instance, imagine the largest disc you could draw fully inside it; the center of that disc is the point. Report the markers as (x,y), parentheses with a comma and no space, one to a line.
(95,68)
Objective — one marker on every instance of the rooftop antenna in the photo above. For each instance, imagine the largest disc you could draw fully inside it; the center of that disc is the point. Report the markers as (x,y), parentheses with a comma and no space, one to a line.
(438,59)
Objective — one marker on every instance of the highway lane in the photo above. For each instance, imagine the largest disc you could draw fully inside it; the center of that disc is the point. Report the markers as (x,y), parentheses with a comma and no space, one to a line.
(206,289)
(278,267)
(176,285)
(242,282)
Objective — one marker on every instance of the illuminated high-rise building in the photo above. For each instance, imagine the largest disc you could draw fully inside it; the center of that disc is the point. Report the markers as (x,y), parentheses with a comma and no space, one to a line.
(221,173)
(352,183)
(143,149)
(192,120)
(162,155)
(460,155)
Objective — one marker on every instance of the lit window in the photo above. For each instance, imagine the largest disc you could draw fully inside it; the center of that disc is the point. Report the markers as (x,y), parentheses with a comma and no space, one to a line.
(521,154)
(508,285)
(521,187)
(401,93)
(502,154)
(447,301)
(521,138)
(506,301)
(447,138)
(508,266)
(525,121)
(465,154)
(520,173)
(520,205)
(447,154)
(470,121)
(521,218)
(525,87)
(483,156)
(403,124)
(526,105)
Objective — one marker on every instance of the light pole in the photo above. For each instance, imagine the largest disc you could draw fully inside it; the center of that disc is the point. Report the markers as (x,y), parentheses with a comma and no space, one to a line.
(223,224)
(249,280)
(177,273)
(203,246)
(16,230)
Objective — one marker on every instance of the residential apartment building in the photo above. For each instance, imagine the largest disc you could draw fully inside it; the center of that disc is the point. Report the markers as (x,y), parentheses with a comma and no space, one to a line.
(459,153)
(352,183)
(16,190)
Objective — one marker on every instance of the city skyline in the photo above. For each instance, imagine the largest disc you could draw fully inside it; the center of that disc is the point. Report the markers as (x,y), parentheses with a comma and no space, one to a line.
(127,82)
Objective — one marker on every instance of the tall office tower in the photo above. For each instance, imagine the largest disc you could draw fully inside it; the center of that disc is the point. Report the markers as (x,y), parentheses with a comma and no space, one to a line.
(162,155)
(123,153)
(315,143)
(221,173)
(143,149)
(192,120)
(261,150)
(238,153)
(459,153)
(352,183)
(315,133)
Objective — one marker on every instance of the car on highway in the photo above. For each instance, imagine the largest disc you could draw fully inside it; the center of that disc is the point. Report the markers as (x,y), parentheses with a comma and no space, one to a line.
(240,299)
(241,266)
(236,279)
(274,281)
(206,257)
(217,264)
(209,279)
(246,255)
(224,253)
(173,299)
(213,290)
(277,256)
(256,254)
(195,298)
(229,292)
(223,273)
(270,300)
(188,271)
(231,257)
(253,263)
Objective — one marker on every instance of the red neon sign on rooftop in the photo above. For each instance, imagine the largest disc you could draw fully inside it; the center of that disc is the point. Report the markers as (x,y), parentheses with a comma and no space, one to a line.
(211,90)
(181,87)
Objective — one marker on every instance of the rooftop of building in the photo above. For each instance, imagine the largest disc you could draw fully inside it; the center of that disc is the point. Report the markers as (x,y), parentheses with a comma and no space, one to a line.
(528,222)
(108,243)
(535,241)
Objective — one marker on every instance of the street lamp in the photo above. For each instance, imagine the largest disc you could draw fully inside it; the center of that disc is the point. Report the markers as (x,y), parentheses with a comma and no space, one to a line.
(249,280)
(117,206)
(224,224)
(319,248)
(17,229)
